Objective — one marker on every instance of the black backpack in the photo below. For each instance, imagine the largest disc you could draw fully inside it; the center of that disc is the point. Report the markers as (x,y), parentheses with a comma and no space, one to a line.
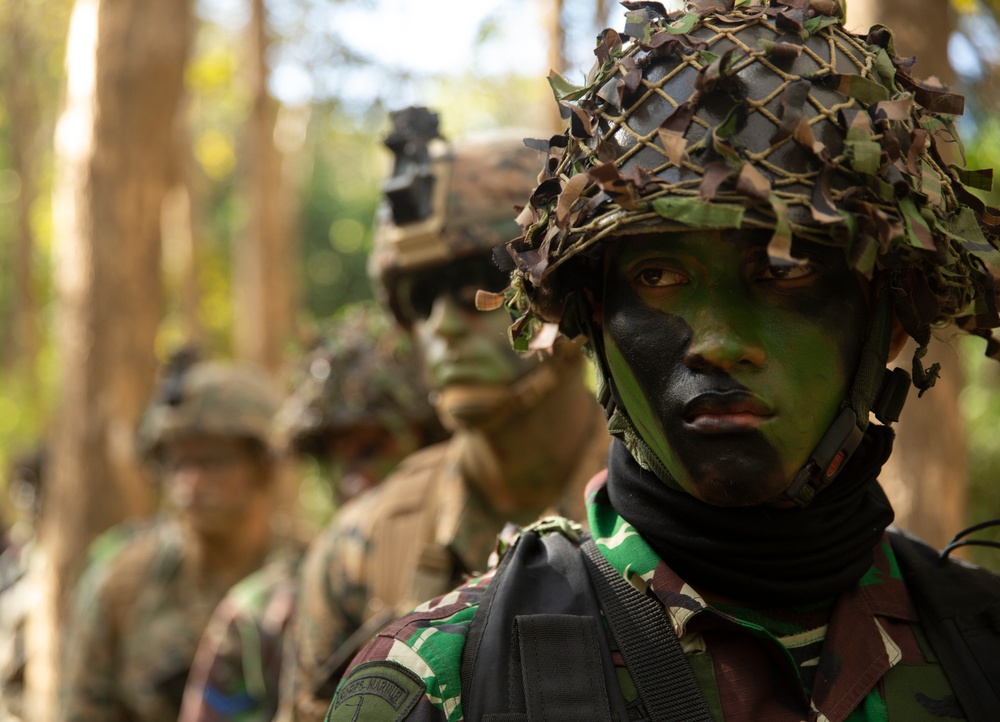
(538,652)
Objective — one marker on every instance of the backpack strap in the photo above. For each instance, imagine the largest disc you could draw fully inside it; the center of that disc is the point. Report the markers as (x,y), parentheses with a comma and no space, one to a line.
(959,609)
(536,650)
(649,645)
(559,669)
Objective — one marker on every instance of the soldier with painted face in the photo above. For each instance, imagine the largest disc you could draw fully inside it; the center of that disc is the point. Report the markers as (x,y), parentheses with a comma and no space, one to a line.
(358,406)
(360,403)
(526,432)
(140,614)
(750,212)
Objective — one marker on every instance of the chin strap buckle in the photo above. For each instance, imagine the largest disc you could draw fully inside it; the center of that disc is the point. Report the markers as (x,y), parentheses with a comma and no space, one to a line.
(827,459)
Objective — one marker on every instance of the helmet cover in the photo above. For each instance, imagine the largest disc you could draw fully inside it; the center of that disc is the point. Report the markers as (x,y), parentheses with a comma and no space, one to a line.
(762,114)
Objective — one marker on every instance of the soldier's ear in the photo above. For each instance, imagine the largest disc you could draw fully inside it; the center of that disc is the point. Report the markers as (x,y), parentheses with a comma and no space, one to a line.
(594,307)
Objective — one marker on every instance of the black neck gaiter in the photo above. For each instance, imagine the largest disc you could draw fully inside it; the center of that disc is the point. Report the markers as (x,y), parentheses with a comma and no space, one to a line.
(761,554)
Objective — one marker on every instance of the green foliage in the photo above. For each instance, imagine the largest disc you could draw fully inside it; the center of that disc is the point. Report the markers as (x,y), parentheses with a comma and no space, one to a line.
(31,67)
(338,205)
(980,405)
(980,401)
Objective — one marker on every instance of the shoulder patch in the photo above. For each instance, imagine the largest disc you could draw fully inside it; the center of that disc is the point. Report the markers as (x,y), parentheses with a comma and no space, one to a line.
(377,691)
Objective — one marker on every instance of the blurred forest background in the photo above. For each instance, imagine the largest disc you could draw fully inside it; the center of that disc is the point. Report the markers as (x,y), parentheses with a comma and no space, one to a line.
(174,171)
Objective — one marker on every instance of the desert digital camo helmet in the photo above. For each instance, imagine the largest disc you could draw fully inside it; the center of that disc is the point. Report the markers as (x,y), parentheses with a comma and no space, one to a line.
(767,114)
(208,398)
(445,201)
(362,370)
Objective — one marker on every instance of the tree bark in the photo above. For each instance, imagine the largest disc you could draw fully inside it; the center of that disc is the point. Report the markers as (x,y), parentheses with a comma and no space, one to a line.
(266,251)
(124,73)
(551,12)
(920,27)
(926,477)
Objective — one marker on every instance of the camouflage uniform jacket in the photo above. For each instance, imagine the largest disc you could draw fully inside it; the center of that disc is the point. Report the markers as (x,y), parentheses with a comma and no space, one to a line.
(137,622)
(863,660)
(237,666)
(413,537)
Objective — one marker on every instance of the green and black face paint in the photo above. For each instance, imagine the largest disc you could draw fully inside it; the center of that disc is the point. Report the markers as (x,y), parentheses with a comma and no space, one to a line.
(730,368)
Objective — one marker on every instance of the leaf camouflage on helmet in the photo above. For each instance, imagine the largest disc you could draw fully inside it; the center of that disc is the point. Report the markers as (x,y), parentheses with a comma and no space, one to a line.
(762,114)
(361,370)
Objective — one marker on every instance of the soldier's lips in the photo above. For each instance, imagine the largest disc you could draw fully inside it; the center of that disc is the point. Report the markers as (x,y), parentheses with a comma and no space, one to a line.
(730,412)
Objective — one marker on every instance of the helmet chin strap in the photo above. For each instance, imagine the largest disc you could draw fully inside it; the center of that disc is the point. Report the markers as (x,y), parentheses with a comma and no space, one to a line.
(873,390)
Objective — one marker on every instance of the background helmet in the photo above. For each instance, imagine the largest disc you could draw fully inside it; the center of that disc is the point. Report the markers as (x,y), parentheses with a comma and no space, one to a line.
(362,370)
(767,115)
(207,398)
(445,201)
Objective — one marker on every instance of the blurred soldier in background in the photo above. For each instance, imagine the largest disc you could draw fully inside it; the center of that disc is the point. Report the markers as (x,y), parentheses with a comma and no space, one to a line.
(527,433)
(361,403)
(359,406)
(19,590)
(139,617)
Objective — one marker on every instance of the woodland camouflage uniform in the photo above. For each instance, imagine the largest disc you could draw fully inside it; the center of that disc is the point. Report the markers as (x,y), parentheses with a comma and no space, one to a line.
(237,666)
(425,527)
(19,584)
(730,116)
(362,370)
(140,611)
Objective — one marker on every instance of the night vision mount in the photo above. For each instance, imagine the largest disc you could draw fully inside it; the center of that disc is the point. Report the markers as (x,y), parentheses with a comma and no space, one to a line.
(410,189)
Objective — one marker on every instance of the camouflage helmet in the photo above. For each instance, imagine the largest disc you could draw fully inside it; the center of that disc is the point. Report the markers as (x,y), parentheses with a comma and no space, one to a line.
(445,201)
(763,114)
(362,370)
(207,398)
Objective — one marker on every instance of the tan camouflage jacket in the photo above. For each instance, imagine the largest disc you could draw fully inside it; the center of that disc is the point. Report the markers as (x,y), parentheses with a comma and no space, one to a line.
(410,539)
(137,622)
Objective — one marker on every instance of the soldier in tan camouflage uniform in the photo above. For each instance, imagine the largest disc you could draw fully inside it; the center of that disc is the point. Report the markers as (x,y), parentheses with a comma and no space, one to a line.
(360,403)
(359,406)
(138,617)
(527,433)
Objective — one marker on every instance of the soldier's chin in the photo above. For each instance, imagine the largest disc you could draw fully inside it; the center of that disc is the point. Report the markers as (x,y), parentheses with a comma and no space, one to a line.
(470,406)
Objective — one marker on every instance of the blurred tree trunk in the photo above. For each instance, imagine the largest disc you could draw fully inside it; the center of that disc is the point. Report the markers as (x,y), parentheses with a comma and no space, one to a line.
(551,12)
(266,250)
(124,73)
(926,477)
(920,27)
(181,234)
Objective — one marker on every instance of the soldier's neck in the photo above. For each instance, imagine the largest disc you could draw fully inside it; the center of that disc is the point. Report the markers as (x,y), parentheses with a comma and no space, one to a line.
(227,558)
(527,462)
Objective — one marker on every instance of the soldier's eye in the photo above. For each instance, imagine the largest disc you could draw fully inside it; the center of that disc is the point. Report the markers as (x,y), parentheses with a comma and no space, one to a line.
(658,277)
(787,273)
(422,297)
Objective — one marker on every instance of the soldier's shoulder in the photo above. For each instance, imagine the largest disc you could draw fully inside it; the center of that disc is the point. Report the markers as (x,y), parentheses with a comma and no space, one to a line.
(150,551)
(112,541)
(421,462)
(256,589)
(403,491)
(419,656)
